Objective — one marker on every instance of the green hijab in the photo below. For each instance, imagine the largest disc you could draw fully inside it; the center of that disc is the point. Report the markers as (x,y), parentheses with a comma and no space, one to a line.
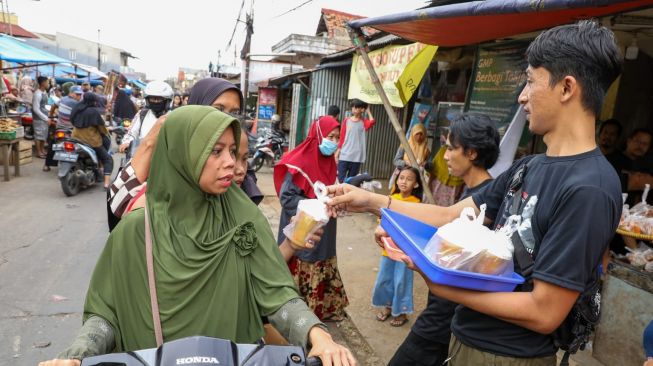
(217,265)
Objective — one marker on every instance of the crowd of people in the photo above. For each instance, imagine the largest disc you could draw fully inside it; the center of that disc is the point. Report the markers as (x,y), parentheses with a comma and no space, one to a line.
(187,235)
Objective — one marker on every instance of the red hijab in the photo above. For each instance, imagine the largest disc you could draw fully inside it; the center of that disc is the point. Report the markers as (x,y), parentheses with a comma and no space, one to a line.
(309,159)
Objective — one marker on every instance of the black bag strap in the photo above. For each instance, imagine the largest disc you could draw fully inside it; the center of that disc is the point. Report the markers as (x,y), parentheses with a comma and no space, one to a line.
(143,114)
(525,260)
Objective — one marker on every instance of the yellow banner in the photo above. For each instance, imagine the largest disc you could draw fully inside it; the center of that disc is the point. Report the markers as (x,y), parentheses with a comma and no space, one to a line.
(400,70)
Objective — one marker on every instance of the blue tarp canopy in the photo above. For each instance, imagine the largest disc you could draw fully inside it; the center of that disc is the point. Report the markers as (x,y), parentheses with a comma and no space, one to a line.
(137,83)
(78,81)
(64,71)
(480,21)
(14,50)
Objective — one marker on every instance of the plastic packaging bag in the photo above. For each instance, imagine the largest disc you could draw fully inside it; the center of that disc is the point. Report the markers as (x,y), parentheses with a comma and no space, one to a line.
(466,245)
(311,216)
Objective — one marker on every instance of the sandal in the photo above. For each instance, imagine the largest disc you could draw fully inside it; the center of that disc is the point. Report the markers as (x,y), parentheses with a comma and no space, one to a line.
(398,321)
(46,168)
(384,314)
(41,156)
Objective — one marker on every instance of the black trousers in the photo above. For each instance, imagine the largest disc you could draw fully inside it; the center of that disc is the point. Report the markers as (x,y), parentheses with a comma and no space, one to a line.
(417,351)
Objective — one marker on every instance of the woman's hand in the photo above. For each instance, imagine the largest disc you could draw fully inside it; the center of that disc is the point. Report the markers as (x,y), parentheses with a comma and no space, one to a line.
(345,197)
(57,362)
(331,353)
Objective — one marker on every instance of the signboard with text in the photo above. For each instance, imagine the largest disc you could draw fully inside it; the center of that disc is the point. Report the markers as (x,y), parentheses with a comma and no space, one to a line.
(498,78)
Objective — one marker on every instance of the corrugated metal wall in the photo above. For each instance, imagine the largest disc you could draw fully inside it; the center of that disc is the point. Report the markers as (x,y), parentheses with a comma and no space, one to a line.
(329,86)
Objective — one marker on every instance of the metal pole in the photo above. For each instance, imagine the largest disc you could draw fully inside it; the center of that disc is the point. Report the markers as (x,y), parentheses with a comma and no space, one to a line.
(11,31)
(359,42)
(98,50)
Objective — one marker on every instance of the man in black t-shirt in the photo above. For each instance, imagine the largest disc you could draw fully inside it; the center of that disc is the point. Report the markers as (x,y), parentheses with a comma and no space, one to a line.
(578,208)
(472,149)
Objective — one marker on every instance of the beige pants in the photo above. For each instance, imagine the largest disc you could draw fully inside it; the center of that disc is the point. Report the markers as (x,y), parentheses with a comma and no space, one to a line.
(462,355)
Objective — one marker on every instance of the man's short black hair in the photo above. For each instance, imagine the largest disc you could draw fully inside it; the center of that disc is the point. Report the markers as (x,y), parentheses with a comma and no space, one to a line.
(476,131)
(333,111)
(41,79)
(611,122)
(640,130)
(585,50)
(357,103)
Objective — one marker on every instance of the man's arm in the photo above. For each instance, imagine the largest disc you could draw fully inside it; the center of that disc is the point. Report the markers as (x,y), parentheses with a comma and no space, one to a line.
(341,140)
(542,310)
(36,106)
(370,122)
(345,197)
(143,156)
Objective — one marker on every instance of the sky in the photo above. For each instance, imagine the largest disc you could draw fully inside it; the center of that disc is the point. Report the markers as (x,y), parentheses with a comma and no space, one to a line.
(166,34)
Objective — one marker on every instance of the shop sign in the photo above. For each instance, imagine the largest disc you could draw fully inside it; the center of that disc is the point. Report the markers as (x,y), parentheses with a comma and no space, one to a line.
(499,76)
(400,70)
(267,103)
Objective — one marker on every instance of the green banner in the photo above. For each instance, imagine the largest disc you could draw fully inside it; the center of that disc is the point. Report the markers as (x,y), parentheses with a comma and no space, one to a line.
(498,78)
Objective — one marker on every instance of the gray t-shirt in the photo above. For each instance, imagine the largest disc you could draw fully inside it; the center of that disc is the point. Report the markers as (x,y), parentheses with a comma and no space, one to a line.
(353,150)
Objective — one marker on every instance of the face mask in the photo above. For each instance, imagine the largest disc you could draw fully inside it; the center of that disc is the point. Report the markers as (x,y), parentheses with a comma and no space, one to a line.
(157,108)
(328,147)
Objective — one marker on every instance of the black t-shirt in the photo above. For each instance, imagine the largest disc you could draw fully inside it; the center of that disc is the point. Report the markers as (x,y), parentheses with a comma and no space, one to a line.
(578,210)
(625,165)
(434,323)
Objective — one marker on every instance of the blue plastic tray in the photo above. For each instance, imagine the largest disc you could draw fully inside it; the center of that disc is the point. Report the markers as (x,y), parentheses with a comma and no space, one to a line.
(411,236)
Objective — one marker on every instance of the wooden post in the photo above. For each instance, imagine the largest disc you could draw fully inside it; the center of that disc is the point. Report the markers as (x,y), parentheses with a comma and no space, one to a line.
(359,42)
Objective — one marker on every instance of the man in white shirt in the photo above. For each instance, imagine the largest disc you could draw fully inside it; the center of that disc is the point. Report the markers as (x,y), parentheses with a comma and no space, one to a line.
(158,99)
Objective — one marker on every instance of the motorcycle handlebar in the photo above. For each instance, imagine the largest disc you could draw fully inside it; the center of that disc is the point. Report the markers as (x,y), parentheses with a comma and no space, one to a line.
(313,361)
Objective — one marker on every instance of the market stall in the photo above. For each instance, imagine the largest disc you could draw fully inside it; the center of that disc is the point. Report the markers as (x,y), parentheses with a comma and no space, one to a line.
(496,25)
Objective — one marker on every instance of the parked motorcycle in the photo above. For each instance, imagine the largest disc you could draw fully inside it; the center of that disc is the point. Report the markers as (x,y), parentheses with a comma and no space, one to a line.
(23,116)
(207,351)
(78,165)
(269,149)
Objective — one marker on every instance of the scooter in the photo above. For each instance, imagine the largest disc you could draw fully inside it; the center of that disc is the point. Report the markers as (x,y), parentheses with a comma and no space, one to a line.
(207,351)
(269,149)
(78,165)
(120,129)
(24,117)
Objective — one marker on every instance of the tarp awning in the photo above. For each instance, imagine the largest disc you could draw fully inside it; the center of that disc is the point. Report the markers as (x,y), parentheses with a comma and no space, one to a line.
(479,21)
(14,50)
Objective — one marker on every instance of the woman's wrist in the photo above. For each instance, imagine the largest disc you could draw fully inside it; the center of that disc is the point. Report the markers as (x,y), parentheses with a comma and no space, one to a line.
(318,334)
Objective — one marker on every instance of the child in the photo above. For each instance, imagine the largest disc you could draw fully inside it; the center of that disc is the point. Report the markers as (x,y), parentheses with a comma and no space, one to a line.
(352,146)
(393,290)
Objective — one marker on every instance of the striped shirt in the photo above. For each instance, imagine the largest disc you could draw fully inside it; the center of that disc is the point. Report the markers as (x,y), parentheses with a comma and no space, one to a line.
(66,105)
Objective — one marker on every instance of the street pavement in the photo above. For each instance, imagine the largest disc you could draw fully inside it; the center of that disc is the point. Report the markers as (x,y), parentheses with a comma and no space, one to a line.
(49,244)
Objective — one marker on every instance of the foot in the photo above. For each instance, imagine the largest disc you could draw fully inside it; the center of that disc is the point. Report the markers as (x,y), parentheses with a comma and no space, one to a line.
(398,321)
(46,168)
(41,156)
(384,314)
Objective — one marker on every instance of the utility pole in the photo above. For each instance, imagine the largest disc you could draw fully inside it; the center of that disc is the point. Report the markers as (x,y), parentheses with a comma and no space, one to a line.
(99,62)
(217,68)
(244,54)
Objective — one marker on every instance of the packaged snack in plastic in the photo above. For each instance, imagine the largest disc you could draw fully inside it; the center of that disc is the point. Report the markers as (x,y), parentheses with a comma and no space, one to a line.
(311,216)
(466,245)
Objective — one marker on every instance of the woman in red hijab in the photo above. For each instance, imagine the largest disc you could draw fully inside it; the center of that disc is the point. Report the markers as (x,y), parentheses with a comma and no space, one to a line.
(315,271)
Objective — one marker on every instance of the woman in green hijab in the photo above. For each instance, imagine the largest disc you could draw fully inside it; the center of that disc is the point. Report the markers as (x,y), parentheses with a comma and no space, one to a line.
(217,267)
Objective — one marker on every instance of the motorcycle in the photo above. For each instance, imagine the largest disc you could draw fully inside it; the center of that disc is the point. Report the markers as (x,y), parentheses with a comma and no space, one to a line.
(24,117)
(120,129)
(207,351)
(269,149)
(78,165)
